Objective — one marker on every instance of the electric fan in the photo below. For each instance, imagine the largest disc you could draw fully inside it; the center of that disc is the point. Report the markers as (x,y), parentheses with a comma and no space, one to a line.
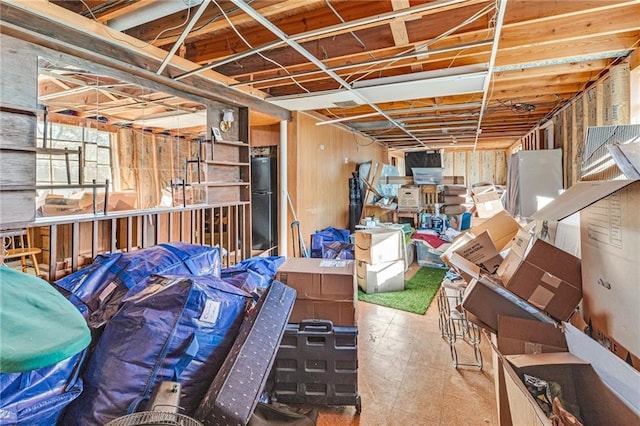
(164,404)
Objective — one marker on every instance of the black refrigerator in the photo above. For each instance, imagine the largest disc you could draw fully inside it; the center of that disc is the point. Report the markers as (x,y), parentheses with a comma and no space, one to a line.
(263,202)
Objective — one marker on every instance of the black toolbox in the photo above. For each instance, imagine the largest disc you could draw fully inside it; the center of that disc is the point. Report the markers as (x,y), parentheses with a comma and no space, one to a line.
(317,364)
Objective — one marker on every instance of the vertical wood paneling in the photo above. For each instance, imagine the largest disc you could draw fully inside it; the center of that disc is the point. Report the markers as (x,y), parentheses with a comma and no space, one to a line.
(321,160)
(265,135)
(570,131)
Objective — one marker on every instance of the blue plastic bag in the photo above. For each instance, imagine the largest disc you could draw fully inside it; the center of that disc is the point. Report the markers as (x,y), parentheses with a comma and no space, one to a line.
(177,328)
(39,397)
(98,289)
(253,273)
(327,235)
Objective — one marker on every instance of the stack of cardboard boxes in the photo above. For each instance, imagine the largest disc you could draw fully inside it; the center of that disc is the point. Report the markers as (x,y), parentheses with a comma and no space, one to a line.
(451,199)
(528,302)
(325,289)
(380,261)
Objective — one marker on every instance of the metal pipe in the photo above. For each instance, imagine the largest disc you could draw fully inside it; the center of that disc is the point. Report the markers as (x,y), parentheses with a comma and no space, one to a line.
(184,34)
(275,30)
(284,190)
(364,63)
(492,61)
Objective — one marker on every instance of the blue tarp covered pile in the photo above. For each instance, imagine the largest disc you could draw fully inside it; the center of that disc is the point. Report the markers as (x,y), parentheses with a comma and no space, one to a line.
(332,243)
(174,298)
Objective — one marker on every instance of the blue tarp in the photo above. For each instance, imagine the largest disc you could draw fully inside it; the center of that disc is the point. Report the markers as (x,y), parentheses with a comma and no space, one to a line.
(178,328)
(253,273)
(98,289)
(38,397)
(327,235)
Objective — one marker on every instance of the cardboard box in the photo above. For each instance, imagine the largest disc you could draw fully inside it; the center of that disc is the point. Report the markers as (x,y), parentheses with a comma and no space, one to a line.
(381,277)
(409,197)
(482,252)
(319,279)
(488,204)
(452,199)
(521,336)
(450,180)
(340,313)
(610,246)
(502,227)
(605,389)
(519,247)
(379,245)
(549,279)
(487,300)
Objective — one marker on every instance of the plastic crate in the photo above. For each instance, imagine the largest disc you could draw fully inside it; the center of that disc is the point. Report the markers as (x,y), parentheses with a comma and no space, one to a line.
(429,257)
(317,364)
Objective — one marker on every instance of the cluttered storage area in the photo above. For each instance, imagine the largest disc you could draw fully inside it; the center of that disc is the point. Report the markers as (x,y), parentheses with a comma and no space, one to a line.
(187,240)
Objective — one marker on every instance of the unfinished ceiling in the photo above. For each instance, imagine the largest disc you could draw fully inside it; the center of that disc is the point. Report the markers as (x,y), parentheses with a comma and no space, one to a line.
(468,73)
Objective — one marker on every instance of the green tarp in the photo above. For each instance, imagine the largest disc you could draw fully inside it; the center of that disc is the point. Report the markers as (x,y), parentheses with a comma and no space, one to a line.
(38,326)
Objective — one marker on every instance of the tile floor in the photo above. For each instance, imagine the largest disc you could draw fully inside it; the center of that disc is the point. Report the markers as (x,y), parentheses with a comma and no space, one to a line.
(406,377)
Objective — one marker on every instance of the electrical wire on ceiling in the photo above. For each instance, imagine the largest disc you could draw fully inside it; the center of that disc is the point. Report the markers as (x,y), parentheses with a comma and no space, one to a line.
(202,26)
(364,47)
(421,46)
(111,32)
(233,27)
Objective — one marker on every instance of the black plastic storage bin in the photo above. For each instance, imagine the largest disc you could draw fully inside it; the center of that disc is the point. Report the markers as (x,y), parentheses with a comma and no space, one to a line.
(317,364)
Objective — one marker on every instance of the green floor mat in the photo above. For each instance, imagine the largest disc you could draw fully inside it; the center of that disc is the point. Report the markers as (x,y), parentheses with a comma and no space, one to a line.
(417,294)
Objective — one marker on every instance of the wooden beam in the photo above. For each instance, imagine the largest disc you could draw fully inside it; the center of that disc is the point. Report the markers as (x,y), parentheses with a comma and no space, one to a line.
(45,25)
(272,9)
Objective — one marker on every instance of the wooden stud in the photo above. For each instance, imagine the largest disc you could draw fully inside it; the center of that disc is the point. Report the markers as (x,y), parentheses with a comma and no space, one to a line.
(53,252)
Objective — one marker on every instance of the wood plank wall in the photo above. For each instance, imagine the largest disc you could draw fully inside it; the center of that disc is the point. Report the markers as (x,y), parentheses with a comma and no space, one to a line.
(321,161)
(480,166)
(18,102)
(605,103)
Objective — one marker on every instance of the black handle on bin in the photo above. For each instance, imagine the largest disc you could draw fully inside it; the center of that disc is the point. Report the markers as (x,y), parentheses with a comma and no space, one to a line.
(316,324)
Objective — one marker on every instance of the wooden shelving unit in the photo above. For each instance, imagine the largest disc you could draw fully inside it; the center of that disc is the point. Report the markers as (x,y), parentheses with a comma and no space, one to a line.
(228,165)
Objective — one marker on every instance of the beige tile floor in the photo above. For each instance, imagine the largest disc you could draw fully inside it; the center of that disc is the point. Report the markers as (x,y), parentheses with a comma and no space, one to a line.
(406,376)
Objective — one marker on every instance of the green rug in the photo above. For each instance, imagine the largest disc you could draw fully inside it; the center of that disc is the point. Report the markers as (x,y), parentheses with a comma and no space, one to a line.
(417,294)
